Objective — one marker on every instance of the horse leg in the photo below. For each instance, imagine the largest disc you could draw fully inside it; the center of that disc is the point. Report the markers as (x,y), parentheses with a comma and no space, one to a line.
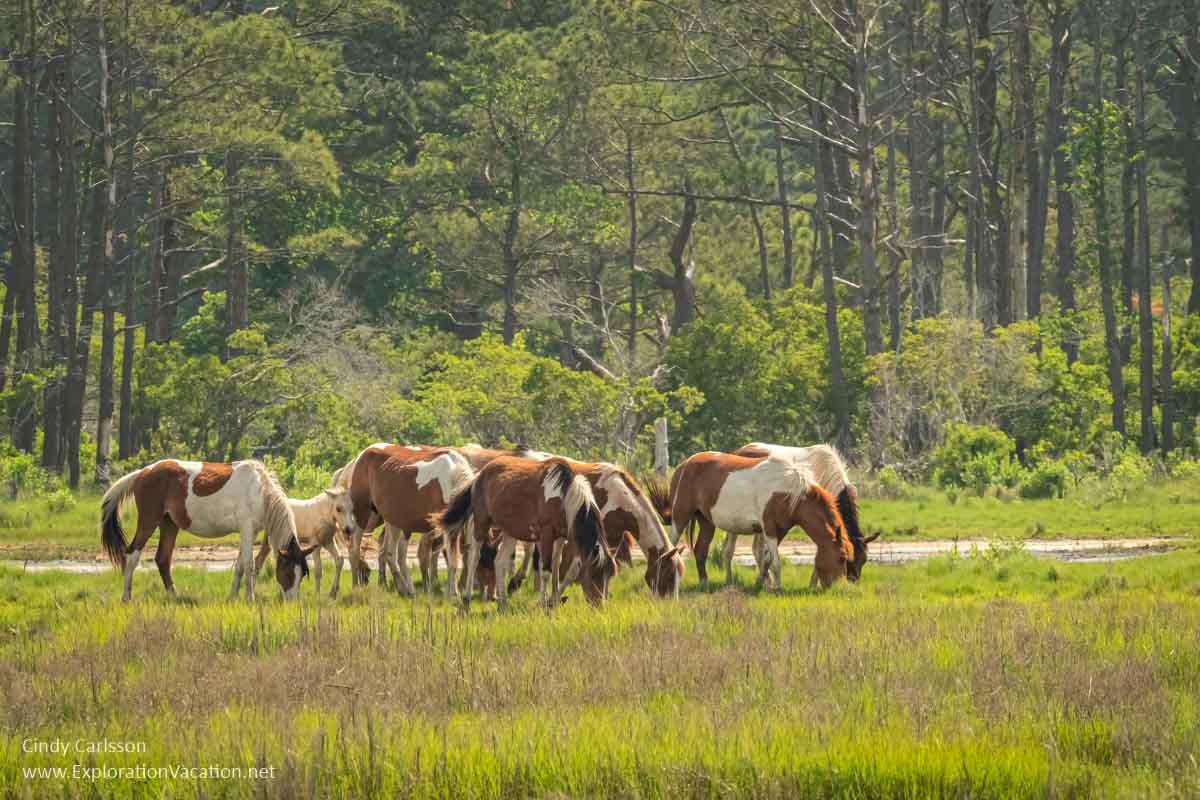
(316,569)
(398,544)
(727,551)
(504,563)
(331,546)
(762,559)
(263,551)
(247,558)
(474,546)
(167,531)
(384,541)
(773,562)
(452,548)
(555,548)
(704,539)
(518,577)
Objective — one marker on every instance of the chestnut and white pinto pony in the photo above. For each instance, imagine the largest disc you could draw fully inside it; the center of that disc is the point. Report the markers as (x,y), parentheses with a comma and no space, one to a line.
(208,500)
(826,468)
(532,501)
(625,510)
(406,488)
(318,520)
(750,495)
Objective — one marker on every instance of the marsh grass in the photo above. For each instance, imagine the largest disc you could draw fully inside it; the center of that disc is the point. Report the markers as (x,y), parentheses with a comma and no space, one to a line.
(977,676)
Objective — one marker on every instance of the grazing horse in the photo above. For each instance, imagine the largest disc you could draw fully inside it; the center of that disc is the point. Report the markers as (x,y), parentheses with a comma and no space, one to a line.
(406,488)
(826,468)
(765,495)
(532,501)
(318,519)
(625,509)
(208,500)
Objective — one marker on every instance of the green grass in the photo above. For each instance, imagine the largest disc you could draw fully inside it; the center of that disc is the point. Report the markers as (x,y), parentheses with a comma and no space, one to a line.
(994,675)
(29,529)
(1157,509)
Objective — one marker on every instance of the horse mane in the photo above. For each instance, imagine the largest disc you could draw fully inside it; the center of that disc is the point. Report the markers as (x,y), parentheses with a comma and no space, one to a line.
(579,506)
(826,505)
(653,517)
(278,521)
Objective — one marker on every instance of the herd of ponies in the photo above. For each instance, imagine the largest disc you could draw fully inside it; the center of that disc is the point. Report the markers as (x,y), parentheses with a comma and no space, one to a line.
(576,520)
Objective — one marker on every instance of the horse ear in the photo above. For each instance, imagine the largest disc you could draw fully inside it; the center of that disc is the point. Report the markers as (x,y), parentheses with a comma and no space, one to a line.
(283,553)
(872,537)
(677,550)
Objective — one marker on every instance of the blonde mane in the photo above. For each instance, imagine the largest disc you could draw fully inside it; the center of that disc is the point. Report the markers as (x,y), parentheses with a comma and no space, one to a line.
(277,521)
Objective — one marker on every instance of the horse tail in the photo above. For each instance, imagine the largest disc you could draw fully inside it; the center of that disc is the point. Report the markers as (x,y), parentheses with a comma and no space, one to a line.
(112,535)
(458,511)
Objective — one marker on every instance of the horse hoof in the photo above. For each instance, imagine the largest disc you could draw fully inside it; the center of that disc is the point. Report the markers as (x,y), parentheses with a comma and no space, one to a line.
(125,598)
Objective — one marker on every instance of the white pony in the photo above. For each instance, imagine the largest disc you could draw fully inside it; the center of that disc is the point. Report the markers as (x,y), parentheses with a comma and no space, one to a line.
(318,520)
(209,500)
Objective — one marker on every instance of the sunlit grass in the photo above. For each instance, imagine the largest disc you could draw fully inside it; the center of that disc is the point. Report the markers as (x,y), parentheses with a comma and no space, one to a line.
(996,675)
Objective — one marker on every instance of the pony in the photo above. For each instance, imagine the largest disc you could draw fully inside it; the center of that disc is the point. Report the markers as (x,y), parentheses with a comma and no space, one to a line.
(318,519)
(209,500)
(406,488)
(827,469)
(532,501)
(625,509)
(764,494)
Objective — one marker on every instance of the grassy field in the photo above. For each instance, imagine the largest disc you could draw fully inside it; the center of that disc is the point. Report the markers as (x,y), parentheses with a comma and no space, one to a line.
(995,675)
(30,529)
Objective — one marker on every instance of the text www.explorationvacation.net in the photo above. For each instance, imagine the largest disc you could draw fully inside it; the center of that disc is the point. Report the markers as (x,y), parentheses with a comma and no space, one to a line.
(142,772)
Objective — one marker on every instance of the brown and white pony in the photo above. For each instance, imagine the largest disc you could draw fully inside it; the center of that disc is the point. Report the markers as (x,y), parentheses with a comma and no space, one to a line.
(532,501)
(625,509)
(318,520)
(406,488)
(826,468)
(209,500)
(768,495)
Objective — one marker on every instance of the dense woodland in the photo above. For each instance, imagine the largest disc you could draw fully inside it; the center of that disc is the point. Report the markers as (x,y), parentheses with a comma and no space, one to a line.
(959,238)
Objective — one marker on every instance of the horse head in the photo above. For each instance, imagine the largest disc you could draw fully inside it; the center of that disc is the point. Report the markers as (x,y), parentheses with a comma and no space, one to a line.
(341,510)
(291,566)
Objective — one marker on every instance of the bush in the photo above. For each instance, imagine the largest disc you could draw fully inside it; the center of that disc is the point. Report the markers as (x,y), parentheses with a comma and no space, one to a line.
(61,501)
(975,457)
(1048,479)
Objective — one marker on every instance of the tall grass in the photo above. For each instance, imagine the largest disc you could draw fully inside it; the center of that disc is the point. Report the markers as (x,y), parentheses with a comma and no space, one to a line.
(991,676)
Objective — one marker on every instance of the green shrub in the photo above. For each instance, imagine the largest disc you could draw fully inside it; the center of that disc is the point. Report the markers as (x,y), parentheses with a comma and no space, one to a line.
(61,501)
(1048,479)
(975,457)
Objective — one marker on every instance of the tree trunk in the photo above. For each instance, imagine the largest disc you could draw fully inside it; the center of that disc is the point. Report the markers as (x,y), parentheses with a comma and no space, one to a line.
(237,276)
(1023,148)
(764,274)
(1165,378)
(6,324)
(1108,278)
(1189,100)
(63,256)
(1060,62)
(868,191)
(837,379)
(1036,178)
(1128,222)
(631,205)
(894,260)
(785,216)
(1145,318)
(24,266)
(104,419)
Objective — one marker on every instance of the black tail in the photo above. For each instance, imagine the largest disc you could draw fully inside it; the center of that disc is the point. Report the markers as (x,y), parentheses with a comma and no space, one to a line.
(457,512)
(848,507)
(112,535)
